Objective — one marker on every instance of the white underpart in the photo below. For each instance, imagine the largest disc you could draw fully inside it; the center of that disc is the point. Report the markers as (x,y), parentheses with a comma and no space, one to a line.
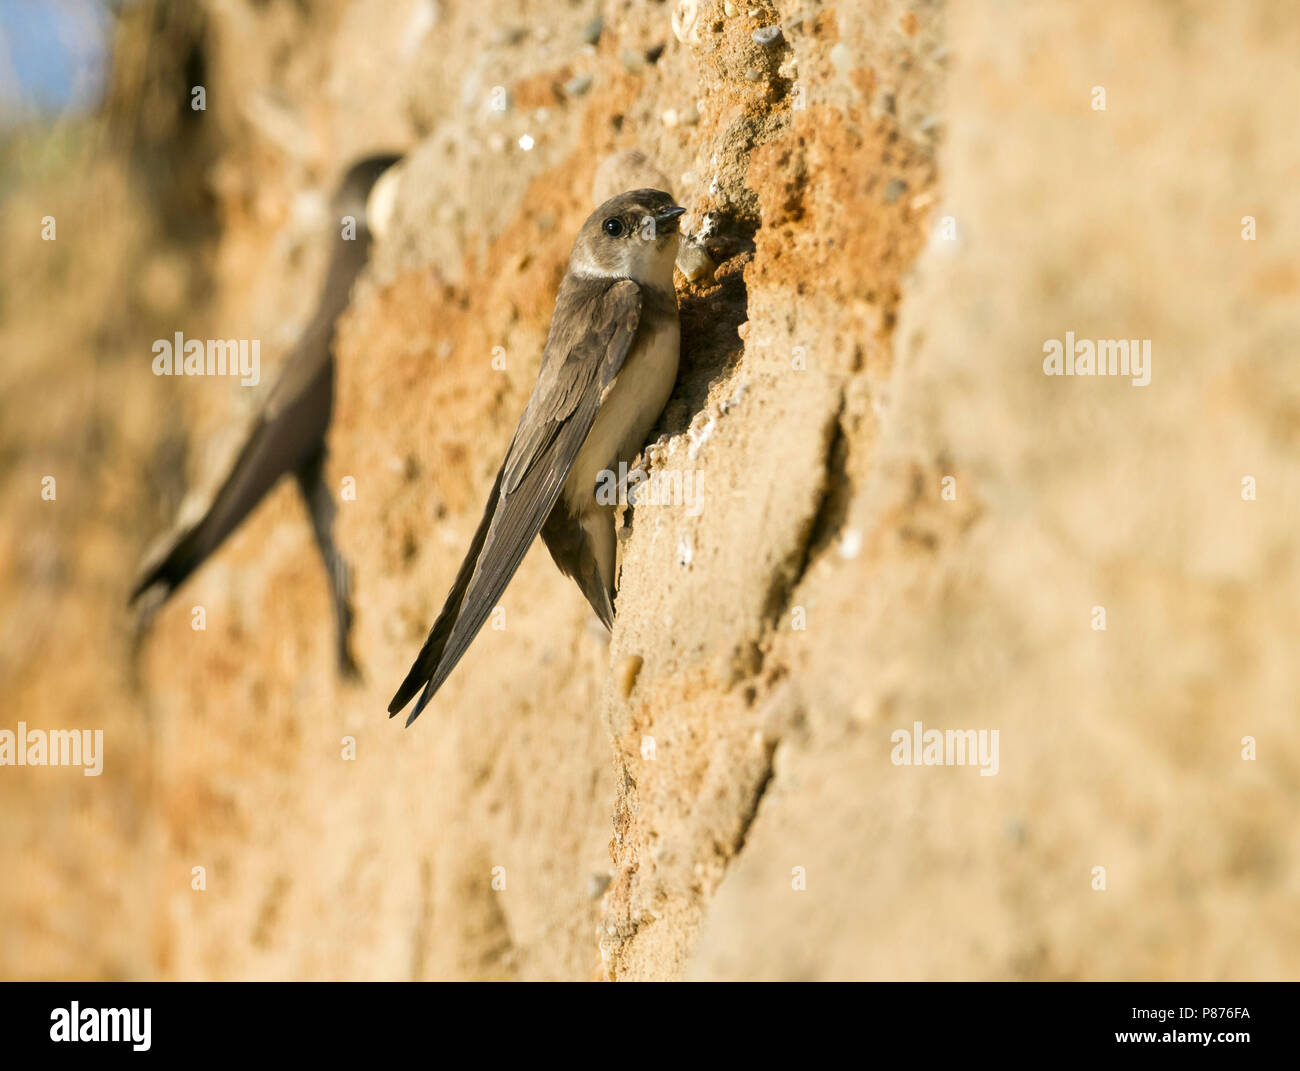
(652,263)
(582,264)
(382,202)
(633,404)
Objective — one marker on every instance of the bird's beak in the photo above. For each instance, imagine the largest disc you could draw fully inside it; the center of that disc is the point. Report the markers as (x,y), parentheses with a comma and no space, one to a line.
(666,218)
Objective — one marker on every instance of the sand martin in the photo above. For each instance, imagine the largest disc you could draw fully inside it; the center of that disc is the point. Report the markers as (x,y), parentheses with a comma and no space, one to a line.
(608,367)
(288,435)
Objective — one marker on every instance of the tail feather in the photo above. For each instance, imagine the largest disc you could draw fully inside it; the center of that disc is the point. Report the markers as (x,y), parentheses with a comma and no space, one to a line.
(510,524)
(426,662)
(577,547)
(593,586)
(170,568)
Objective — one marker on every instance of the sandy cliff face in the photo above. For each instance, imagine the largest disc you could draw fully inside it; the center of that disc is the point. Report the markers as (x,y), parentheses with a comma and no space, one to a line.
(890,516)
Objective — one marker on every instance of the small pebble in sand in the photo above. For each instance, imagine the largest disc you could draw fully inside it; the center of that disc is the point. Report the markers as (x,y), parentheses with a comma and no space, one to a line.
(578,85)
(685,16)
(767,35)
(685,552)
(628,670)
(850,544)
(694,263)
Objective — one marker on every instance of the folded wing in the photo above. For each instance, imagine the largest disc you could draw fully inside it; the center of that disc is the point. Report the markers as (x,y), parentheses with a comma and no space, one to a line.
(590,338)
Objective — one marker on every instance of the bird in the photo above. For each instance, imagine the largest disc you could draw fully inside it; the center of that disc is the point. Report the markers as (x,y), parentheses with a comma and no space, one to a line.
(288,435)
(608,368)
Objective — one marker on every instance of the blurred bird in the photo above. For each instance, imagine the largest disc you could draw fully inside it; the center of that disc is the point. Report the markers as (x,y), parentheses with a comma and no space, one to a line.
(288,435)
(608,368)
(628,169)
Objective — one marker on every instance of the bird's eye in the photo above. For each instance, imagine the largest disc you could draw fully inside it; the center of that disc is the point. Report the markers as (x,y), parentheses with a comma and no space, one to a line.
(614,227)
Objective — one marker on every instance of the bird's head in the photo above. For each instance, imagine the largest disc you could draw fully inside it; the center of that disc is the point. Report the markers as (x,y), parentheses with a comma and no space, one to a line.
(631,236)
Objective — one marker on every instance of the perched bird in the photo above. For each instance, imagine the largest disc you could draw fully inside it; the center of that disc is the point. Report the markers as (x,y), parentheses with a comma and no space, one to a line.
(608,368)
(288,435)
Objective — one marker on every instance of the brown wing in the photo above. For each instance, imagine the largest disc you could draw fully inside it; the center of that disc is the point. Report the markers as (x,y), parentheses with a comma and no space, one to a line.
(591,334)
